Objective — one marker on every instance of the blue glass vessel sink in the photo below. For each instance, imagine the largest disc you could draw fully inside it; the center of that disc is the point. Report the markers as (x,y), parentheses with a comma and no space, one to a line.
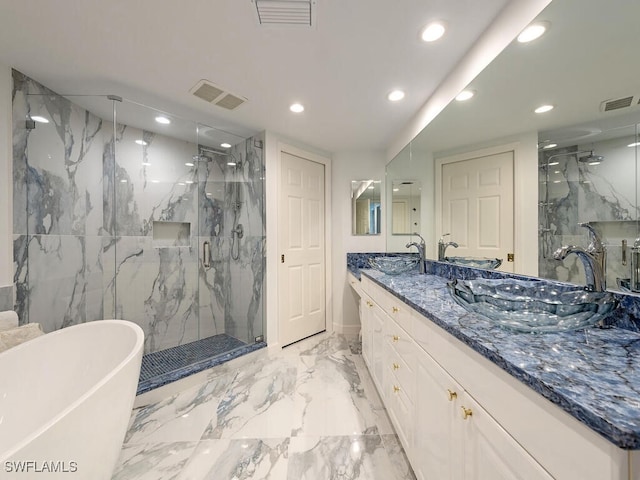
(532,306)
(475,262)
(394,265)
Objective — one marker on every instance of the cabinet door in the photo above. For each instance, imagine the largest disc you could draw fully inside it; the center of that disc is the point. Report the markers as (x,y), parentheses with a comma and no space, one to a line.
(437,452)
(377,319)
(365,329)
(490,452)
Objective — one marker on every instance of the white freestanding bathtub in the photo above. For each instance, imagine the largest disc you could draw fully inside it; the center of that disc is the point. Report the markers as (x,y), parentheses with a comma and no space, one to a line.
(66,399)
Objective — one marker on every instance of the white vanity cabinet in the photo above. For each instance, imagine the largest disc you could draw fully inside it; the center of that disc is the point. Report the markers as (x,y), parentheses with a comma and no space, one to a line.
(457,439)
(459,416)
(398,353)
(372,319)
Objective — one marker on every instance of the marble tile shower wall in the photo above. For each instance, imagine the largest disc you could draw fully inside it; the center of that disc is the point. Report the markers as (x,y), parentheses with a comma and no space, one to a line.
(84,211)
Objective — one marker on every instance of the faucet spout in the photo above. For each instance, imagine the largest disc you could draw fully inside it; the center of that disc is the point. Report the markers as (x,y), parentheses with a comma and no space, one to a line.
(594,259)
(421,250)
(442,246)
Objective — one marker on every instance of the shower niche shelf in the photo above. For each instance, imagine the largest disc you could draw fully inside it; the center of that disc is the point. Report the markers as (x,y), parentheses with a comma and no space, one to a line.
(171,234)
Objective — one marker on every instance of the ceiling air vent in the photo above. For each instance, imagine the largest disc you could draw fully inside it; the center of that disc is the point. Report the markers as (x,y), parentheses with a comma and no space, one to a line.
(211,93)
(616,104)
(285,12)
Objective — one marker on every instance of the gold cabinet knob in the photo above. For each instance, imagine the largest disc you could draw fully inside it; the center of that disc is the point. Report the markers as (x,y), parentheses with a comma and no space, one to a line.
(396,366)
(369,304)
(395,309)
(396,389)
(396,338)
(452,395)
(466,413)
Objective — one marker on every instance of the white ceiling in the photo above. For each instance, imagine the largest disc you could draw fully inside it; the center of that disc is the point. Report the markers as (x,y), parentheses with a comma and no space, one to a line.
(154,51)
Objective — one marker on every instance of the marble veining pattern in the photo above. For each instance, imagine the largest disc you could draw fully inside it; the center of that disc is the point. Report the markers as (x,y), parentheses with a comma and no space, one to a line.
(592,374)
(246,419)
(6,298)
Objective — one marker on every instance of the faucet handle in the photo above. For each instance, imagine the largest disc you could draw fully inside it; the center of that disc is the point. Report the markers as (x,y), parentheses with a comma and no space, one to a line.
(442,237)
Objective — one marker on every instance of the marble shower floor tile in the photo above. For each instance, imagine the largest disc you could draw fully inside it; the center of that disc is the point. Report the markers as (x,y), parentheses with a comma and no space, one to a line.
(309,411)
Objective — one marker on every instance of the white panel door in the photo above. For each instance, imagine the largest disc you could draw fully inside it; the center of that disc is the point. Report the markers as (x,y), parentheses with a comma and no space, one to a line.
(301,279)
(477,206)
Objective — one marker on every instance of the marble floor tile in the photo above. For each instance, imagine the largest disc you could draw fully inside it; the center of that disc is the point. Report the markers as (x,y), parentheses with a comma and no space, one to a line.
(246,459)
(398,457)
(181,417)
(258,403)
(153,461)
(306,412)
(330,399)
(356,457)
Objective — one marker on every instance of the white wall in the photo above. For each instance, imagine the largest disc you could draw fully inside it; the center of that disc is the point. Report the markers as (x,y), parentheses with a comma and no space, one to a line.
(6,180)
(349,166)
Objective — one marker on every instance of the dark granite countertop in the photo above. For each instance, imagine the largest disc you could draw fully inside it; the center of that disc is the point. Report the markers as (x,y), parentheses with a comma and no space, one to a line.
(592,374)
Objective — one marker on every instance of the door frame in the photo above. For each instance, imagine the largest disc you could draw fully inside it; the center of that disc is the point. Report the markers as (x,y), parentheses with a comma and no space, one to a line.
(518,216)
(272,251)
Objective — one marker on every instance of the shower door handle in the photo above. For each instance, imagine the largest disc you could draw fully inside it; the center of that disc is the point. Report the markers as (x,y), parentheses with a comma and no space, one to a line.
(206,254)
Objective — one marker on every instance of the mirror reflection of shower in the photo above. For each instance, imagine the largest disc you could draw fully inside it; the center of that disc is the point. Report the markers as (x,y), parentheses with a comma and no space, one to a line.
(587,157)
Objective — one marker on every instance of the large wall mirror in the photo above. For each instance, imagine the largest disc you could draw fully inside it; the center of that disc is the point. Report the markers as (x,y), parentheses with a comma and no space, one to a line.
(365,207)
(578,162)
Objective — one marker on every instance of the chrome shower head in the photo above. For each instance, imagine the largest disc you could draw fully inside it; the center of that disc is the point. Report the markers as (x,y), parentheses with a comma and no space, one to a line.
(591,159)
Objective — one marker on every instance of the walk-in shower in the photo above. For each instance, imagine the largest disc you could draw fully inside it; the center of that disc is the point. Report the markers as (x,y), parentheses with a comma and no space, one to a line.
(119,216)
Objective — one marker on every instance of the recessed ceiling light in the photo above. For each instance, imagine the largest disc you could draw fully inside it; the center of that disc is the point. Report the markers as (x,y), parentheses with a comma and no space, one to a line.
(533,31)
(163,120)
(38,118)
(465,95)
(432,32)
(634,144)
(543,108)
(141,142)
(395,96)
(551,164)
(231,164)
(189,164)
(297,108)
(225,145)
(551,145)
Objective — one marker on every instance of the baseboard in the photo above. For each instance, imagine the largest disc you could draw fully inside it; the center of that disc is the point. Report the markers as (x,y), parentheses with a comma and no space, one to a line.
(346,329)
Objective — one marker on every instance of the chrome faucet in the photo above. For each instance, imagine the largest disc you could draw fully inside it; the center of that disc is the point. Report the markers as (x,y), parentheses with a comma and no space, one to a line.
(442,246)
(421,250)
(594,259)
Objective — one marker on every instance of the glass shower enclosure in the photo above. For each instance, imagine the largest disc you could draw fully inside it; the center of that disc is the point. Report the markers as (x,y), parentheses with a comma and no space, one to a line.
(124,211)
